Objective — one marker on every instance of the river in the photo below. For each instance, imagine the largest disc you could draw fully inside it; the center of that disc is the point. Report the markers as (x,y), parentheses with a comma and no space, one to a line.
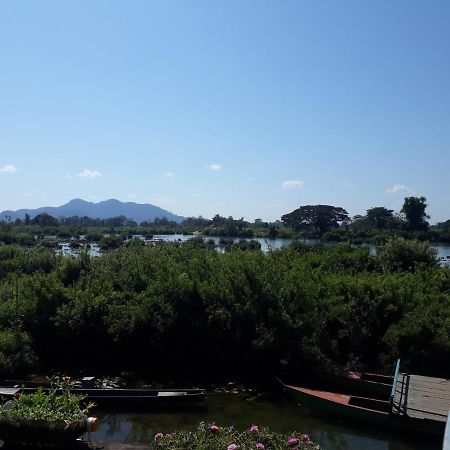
(442,250)
(240,410)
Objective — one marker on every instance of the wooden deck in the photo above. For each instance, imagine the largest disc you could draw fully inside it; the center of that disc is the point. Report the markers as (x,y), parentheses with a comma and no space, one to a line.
(422,397)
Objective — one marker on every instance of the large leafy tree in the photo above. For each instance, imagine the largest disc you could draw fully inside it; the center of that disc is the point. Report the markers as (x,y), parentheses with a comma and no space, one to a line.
(379,216)
(45,220)
(321,217)
(414,210)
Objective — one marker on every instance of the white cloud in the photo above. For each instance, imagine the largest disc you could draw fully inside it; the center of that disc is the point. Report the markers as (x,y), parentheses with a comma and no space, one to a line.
(8,168)
(398,188)
(89,174)
(132,196)
(215,167)
(169,174)
(292,184)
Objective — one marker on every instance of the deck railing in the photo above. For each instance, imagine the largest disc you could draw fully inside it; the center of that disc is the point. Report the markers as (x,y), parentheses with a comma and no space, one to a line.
(446,444)
(394,385)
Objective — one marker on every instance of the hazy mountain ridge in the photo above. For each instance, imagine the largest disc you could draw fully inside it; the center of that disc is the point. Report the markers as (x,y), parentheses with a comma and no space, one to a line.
(102,210)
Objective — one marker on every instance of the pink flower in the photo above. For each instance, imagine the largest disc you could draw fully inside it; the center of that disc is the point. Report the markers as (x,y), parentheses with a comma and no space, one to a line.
(293,442)
(232,447)
(306,437)
(158,436)
(214,428)
(254,429)
(260,446)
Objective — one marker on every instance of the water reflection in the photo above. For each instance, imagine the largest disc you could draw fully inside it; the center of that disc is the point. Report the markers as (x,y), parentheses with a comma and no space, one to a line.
(280,415)
(344,441)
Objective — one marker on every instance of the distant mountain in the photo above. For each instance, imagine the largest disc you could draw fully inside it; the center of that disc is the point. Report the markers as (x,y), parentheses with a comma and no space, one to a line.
(102,210)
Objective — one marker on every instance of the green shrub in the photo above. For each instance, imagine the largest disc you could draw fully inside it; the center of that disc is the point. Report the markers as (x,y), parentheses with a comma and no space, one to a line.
(399,254)
(60,410)
(16,355)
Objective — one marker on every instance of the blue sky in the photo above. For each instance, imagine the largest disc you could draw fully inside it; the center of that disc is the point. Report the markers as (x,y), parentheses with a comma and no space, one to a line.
(245,108)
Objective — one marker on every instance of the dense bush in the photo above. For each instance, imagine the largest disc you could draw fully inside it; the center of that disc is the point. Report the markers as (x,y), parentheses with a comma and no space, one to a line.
(399,254)
(16,355)
(55,411)
(173,308)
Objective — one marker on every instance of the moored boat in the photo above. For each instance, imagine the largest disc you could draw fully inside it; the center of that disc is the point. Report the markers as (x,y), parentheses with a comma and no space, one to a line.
(350,406)
(363,383)
(369,410)
(112,397)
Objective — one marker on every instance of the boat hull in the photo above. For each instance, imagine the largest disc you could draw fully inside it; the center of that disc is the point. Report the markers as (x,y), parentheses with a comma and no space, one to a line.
(342,410)
(353,408)
(370,385)
(135,398)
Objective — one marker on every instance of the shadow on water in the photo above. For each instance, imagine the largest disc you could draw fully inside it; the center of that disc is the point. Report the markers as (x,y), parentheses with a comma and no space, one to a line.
(243,410)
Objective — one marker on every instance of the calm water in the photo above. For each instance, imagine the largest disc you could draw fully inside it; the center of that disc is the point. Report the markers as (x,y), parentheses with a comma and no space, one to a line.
(241,411)
(442,250)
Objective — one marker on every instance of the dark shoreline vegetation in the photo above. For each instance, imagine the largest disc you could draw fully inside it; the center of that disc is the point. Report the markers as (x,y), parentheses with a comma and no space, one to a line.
(184,311)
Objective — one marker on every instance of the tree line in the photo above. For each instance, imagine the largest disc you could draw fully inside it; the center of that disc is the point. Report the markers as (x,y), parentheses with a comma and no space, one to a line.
(334,223)
(325,222)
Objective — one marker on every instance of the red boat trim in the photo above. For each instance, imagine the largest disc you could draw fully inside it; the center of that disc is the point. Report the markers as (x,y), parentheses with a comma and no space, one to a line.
(335,397)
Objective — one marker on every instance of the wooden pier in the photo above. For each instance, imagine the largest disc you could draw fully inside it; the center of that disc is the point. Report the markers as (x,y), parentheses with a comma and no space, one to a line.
(420,397)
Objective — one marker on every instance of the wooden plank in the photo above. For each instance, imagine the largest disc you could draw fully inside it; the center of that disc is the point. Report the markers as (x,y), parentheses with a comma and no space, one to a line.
(442,392)
(421,397)
(428,406)
(428,401)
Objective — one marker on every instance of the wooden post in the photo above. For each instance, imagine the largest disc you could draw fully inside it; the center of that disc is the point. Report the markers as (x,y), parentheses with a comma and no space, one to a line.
(446,445)
(394,385)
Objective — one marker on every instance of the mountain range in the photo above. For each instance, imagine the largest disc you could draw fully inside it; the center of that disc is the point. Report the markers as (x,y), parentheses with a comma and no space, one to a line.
(138,212)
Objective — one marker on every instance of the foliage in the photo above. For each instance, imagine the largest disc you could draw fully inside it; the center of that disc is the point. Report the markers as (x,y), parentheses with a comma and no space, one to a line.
(402,255)
(379,216)
(213,437)
(55,410)
(169,309)
(110,242)
(16,355)
(45,220)
(414,210)
(321,217)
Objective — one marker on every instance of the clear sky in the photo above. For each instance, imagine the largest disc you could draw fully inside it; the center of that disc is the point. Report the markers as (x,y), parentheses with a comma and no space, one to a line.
(240,107)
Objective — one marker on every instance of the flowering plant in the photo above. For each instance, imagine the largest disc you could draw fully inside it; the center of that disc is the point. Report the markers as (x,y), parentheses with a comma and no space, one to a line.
(214,437)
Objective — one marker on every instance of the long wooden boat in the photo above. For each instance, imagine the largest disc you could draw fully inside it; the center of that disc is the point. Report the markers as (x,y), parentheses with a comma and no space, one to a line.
(369,410)
(110,397)
(363,383)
